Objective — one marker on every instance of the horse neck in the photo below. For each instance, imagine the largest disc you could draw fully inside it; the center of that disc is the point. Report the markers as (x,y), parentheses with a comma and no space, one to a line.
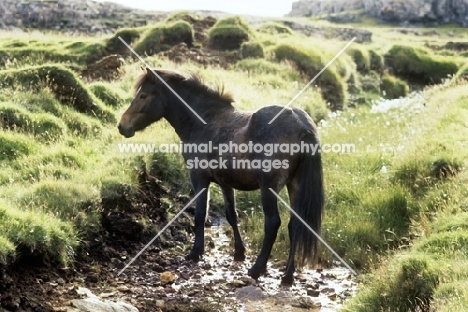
(181,118)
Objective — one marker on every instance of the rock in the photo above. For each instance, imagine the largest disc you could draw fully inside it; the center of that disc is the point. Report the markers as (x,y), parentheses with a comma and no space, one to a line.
(304,303)
(96,305)
(346,34)
(395,11)
(250,293)
(167,278)
(85,293)
(313,292)
(73,15)
(91,303)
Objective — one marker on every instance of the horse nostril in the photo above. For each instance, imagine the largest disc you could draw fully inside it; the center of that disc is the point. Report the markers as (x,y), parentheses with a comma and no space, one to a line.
(119,126)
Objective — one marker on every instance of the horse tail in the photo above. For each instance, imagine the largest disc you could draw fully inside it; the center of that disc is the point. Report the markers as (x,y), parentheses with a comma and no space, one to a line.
(309,206)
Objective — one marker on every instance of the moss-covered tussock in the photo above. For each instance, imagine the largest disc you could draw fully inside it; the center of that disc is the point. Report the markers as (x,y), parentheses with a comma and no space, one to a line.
(393,88)
(43,126)
(332,86)
(229,33)
(63,83)
(417,66)
(163,37)
(115,45)
(35,233)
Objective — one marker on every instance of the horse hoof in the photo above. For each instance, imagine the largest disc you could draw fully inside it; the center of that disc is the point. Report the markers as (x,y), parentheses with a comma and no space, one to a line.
(239,256)
(192,257)
(253,274)
(287,280)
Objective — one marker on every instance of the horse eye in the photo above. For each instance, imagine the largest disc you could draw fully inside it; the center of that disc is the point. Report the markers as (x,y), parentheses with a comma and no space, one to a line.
(142,96)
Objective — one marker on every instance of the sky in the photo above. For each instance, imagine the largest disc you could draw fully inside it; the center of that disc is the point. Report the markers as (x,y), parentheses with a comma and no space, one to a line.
(269,8)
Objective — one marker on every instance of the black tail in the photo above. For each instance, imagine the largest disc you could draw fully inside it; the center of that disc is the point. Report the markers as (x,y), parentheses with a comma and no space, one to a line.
(309,206)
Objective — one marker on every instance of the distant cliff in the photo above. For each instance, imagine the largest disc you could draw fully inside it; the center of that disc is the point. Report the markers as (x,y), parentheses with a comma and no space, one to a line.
(73,15)
(394,11)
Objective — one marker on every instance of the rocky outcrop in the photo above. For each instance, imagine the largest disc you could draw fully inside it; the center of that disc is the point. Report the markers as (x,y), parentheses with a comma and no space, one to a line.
(319,7)
(346,34)
(72,15)
(409,11)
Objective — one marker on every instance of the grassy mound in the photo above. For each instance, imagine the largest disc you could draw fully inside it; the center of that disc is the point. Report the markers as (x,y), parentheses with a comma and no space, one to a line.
(376,61)
(393,88)
(410,287)
(361,58)
(332,87)
(14,145)
(272,28)
(252,50)
(107,94)
(162,38)
(417,66)
(63,83)
(462,74)
(114,46)
(35,233)
(229,33)
(43,126)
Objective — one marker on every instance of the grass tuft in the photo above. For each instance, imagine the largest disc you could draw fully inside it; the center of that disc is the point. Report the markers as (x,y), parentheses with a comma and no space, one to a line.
(229,33)
(393,88)
(163,37)
(332,87)
(417,66)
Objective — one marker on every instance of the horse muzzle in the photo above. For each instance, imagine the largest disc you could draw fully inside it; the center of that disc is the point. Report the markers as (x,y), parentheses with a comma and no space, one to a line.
(127,132)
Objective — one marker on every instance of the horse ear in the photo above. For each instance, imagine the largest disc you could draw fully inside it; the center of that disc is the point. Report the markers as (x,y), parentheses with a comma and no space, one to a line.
(150,74)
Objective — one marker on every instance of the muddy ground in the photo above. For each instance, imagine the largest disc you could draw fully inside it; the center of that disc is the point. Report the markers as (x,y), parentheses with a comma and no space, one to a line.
(161,279)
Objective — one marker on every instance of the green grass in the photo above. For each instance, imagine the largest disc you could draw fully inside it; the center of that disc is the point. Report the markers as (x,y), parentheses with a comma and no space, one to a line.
(332,86)
(396,206)
(63,83)
(163,37)
(418,66)
(393,88)
(229,33)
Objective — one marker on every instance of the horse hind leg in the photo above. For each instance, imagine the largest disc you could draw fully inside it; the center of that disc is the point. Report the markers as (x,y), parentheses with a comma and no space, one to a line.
(231,216)
(288,278)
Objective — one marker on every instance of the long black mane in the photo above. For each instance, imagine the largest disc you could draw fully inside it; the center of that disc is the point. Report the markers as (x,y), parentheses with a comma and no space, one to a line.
(193,83)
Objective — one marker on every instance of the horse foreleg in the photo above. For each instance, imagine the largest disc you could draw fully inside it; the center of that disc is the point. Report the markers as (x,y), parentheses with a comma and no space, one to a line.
(231,216)
(200,218)
(271,226)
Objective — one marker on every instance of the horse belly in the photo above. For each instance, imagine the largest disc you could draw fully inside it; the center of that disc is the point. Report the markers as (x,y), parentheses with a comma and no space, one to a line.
(242,179)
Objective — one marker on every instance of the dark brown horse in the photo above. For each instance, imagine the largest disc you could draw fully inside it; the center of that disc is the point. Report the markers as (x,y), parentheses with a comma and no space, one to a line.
(246,168)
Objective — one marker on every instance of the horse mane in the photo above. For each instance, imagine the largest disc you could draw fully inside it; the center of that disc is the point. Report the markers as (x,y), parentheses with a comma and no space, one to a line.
(192,82)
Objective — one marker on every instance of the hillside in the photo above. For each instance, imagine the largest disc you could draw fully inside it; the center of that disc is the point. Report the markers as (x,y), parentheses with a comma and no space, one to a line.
(73,16)
(75,206)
